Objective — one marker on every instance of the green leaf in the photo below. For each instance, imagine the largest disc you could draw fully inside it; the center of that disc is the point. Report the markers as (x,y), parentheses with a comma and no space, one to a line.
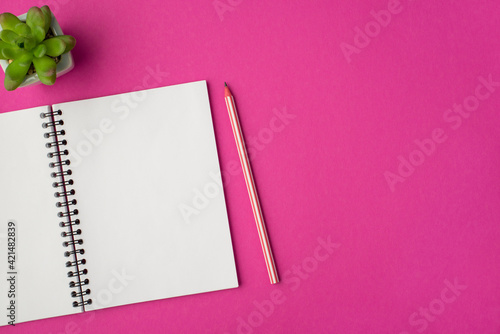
(28,43)
(55,46)
(4,46)
(9,52)
(35,17)
(8,21)
(25,58)
(46,69)
(68,40)
(38,34)
(22,29)
(40,51)
(9,36)
(48,17)
(4,52)
(16,71)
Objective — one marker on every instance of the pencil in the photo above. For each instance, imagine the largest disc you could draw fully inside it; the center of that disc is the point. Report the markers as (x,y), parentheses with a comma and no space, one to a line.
(252,191)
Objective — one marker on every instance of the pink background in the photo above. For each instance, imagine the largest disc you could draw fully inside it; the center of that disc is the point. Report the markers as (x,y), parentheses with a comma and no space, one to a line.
(321,175)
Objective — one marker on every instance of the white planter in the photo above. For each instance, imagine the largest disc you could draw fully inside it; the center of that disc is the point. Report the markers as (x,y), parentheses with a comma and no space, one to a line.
(64,66)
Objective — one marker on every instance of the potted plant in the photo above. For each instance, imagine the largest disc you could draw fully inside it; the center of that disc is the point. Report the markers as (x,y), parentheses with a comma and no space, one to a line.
(33,48)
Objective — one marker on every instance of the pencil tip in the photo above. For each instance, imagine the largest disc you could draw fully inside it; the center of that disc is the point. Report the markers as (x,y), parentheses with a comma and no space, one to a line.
(225,84)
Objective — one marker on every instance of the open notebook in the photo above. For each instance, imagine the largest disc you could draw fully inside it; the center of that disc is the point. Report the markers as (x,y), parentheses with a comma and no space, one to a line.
(92,195)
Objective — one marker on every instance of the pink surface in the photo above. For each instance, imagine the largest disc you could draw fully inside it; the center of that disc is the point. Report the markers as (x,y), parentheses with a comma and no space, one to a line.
(420,256)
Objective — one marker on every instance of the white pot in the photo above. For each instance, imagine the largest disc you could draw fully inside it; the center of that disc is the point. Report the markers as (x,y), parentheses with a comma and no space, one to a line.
(64,66)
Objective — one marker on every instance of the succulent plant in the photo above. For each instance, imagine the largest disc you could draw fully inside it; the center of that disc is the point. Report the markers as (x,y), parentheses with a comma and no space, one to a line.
(27,43)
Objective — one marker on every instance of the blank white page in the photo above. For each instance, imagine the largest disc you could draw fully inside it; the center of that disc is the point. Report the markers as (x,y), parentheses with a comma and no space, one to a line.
(137,159)
(27,198)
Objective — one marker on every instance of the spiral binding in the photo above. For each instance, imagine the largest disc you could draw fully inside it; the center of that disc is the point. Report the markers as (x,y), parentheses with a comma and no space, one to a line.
(71,234)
